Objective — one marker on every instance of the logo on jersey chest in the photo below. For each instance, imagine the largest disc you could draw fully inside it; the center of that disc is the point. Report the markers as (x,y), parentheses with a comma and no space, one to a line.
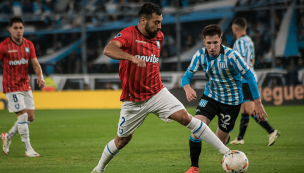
(18,62)
(139,41)
(158,44)
(27,50)
(11,51)
(222,64)
(151,58)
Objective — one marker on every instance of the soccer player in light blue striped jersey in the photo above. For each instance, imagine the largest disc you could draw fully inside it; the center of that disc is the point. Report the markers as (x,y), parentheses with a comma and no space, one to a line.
(223,95)
(245,47)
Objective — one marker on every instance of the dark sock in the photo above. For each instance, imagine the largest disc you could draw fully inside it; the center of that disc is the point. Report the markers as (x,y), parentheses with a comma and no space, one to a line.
(265,125)
(243,126)
(195,150)
(228,140)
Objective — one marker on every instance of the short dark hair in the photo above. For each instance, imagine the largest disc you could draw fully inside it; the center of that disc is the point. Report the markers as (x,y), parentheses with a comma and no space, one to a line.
(148,9)
(212,30)
(15,20)
(241,22)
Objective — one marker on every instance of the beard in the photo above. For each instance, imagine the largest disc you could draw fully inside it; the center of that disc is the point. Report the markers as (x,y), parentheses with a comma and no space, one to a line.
(151,33)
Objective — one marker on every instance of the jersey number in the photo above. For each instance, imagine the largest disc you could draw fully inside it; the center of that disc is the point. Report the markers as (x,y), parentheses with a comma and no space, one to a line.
(225,119)
(15,98)
(123,120)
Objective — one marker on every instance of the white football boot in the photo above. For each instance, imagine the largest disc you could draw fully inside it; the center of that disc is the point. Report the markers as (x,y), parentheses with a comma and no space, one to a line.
(6,143)
(273,136)
(237,142)
(31,153)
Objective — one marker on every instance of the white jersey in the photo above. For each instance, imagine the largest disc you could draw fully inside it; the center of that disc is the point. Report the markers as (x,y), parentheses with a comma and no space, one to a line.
(245,47)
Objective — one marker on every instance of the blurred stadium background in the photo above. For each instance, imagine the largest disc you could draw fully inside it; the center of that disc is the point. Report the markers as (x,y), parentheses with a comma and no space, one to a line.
(69,38)
(70,35)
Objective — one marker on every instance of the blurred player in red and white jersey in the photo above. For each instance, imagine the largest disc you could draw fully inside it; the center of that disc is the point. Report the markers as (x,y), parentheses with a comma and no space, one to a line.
(138,49)
(16,53)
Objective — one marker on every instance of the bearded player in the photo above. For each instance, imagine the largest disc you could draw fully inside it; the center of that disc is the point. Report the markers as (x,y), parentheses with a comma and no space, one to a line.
(15,53)
(138,49)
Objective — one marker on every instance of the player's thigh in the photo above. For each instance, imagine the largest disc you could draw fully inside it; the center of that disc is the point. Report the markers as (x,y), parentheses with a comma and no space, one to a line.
(223,136)
(15,101)
(29,100)
(164,104)
(247,107)
(227,115)
(132,115)
(206,109)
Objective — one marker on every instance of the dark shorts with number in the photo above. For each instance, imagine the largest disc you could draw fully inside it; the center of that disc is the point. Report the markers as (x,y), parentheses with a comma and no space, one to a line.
(227,114)
(247,93)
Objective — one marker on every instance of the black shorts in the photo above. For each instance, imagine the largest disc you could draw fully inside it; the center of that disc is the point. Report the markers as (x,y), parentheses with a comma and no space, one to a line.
(227,114)
(247,93)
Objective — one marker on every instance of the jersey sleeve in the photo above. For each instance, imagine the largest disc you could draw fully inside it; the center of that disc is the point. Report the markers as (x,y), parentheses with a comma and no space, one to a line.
(124,38)
(195,64)
(32,51)
(241,48)
(2,51)
(238,63)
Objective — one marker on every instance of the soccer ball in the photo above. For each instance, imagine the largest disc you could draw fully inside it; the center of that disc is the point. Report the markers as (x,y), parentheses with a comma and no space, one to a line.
(235,162)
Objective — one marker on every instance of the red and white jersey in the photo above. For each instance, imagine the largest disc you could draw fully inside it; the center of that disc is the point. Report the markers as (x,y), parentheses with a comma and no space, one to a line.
(139,84)
(15,59)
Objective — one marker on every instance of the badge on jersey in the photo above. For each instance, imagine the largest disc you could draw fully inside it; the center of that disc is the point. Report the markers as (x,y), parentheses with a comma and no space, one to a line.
(158,45)
(203,103)
(222,64)
(27,50)
(118,35)
(17,106)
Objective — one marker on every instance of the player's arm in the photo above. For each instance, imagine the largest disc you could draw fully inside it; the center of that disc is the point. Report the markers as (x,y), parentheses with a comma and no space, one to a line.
(38,71)
(259,108)
(190,93)
(245,71)
(113,51)
(194,66)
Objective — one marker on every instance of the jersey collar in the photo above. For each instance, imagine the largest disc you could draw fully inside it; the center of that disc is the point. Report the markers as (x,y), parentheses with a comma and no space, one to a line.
(143,34)
(221,52)
(15,42)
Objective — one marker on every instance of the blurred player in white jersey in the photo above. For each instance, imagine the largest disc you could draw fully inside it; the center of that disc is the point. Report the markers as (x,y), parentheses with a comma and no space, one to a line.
(245,46)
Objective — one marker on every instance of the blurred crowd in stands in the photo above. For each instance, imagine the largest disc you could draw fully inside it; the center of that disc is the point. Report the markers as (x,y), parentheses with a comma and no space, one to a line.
(46,44)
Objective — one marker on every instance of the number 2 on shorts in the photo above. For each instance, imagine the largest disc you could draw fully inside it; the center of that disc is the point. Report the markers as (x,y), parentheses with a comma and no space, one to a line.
(123,120)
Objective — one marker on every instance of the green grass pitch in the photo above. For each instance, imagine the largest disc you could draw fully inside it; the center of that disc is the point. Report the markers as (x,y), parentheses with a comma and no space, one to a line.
(72,141)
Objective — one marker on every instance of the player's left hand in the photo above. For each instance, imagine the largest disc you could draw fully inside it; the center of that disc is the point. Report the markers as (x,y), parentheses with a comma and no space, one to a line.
(40,82)
(260,111)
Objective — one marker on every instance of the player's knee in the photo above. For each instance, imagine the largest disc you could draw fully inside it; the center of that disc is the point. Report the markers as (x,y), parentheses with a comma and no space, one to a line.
(122,142)
(185,119)
(31,118)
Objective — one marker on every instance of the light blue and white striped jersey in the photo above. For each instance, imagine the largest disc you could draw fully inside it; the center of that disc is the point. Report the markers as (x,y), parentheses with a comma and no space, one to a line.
(223,73)
(245,47)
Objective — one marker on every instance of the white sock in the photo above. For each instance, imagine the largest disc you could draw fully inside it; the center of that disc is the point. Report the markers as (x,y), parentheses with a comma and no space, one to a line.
(203,132)
(24,131)
(108,154)
(13,131)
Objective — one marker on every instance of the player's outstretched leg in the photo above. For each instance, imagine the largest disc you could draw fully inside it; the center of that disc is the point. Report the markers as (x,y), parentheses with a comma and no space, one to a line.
(203,132)
(243,127)
(7,138)
(273,134)
(24,133)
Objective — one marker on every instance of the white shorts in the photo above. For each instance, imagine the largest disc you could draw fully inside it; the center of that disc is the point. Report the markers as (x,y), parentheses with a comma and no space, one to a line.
(132,114)
(17,101)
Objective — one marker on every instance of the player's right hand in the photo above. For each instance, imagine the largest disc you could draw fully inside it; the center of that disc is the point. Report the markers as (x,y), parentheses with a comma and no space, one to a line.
(139,62)
(190,93)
